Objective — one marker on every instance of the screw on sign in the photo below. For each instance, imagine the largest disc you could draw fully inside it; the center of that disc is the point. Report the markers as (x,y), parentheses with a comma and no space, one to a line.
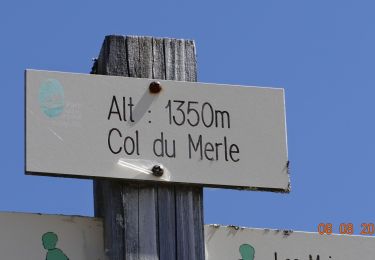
(155,87)
(157,171)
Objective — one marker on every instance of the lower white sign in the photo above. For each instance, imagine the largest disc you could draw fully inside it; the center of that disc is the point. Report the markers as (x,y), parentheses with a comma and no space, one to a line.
(51,237)
(35,236)
(228,243)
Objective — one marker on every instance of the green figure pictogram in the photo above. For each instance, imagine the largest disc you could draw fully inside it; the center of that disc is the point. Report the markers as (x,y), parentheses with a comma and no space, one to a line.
(49,240)
(247,252)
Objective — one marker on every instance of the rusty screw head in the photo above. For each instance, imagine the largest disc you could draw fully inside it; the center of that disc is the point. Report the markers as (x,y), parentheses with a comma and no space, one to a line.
(157,171)
(155,87)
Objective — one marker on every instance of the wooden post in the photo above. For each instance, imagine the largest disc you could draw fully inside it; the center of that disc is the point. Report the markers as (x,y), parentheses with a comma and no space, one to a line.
(149,220)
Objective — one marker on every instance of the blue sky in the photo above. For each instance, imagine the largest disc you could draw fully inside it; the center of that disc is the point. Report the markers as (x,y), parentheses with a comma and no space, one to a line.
(321,52)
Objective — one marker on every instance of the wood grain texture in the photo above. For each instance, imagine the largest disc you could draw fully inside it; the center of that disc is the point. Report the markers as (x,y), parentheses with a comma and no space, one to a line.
(130,202)
(149,220)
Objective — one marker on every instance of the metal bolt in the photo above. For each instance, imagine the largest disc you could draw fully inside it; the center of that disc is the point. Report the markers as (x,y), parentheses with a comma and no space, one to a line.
(157,171)
(155,87)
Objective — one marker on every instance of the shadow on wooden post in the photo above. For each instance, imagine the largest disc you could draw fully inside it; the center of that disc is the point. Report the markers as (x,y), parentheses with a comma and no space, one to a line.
(149,220)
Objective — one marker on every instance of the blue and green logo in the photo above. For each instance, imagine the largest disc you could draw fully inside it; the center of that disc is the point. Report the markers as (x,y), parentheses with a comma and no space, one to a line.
(51,98)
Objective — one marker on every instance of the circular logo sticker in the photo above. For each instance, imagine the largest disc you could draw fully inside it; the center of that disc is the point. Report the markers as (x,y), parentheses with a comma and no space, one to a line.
(51,97)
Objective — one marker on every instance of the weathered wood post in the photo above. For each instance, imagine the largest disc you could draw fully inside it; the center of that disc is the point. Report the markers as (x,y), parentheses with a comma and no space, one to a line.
(149,220)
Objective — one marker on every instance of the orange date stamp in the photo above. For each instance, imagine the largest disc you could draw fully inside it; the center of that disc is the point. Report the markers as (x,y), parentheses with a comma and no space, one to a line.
(367,229)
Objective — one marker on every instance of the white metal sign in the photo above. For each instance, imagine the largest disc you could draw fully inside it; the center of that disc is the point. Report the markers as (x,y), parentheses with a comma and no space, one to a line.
(105,126)
(34,236)
(224,243)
